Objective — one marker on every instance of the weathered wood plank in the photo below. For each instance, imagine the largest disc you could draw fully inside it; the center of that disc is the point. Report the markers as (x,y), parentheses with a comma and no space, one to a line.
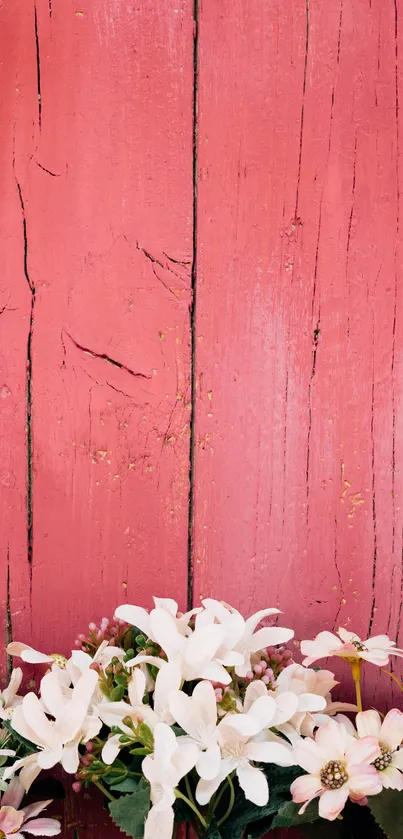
(298,491)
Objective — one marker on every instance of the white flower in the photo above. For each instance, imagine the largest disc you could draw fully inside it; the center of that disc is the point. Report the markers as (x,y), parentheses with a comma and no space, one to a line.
(32,656)
(349,646)
(239,749)
(389,735)
(57,739)
(251,641)
(232,625)
(197,715)
(195,655)
(313,691)
(113,713)
(275,710)
(82,661)
(338,766)
(8,697)
(136,616)
(170,762)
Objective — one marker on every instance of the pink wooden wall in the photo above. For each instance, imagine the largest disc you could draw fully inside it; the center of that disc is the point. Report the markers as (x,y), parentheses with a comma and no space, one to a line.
(269,414)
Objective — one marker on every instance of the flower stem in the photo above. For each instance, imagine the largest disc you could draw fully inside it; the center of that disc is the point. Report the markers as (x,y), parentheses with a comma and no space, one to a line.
(192,805)
(104,791)
(231,801)
(394,677)
(356,672)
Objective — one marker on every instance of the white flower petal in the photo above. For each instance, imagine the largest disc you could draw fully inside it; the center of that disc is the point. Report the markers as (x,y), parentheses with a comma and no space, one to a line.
(311,702)
(305,788)
(254,784)
(277,753)
(205,701)
(166,632)
(137,686)
(184,759)
(269,637)
(365,750)
(368,724)
(286,707)
(202,646)
(111,749)
(135,616)
(10,691)
(215,672)
(52,694)
(36,719)
(364,780)
(70,758)
(166,603)
(42,827)
(252,622)
(307,755)
(392,729)
(168,681)
(34,809)
(159,823)
(85,687)
(253,691)
(391,778)
(332,801)
(49,757)
(184,711)
(208,763)
(14,794)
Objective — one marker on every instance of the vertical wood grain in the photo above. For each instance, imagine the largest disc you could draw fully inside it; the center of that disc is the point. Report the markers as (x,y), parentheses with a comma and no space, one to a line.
(96,213)
(298,445)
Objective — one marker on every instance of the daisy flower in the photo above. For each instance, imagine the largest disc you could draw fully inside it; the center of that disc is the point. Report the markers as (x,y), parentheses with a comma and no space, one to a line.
(349,646)
(389,735)
(338,767)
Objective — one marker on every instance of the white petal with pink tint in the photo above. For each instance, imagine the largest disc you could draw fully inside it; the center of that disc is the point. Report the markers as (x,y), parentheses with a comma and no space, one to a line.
(332,801)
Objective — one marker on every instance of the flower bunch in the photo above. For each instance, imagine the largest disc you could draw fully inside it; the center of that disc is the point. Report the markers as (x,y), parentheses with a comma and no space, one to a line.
(205,717)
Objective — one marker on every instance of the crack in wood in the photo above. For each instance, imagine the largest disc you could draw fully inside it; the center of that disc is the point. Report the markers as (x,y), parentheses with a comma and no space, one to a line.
(109,360)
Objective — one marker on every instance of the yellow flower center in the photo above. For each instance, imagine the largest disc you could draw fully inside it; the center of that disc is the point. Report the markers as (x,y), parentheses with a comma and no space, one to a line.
(61,661)
(333,775)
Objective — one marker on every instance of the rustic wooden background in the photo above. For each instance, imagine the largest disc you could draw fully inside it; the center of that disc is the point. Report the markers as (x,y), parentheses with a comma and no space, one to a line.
(201,329)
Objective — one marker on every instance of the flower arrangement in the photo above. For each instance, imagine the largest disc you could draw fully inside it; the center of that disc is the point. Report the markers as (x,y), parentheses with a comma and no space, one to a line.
(204,718)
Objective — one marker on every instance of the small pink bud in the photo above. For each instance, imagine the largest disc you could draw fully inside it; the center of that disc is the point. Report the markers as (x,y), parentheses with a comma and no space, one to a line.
(76,786)
(218,694)
(258,670)
(77,643)
(269,673)
(81,637)
(114,631)
(92,626)
(89,746)
(249,676)
(265,679)
(226,690)
(287,654)
(275,658)
(85,761)
(280,659)
(263,665)
(270,651)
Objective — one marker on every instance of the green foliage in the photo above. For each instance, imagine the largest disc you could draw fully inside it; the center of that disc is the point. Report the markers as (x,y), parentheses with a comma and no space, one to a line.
(387,810)
(213,831)
(127,784)
(287,815)
(30,748)
(129,812)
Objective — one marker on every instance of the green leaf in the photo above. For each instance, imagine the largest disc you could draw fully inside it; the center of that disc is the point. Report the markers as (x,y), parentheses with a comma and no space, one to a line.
(130,811)
(213,832)
(182,812)
(117,694)
(287,815)
(28,745)
(245,813)
(145,735)
(387,810)
(124,784)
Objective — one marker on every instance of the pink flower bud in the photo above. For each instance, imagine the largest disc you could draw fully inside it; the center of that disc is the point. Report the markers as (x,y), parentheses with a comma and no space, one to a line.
(263,665)
(265,679)
(258,669)
(269,673)
(287,654)
(85,761)
(81,637)
(77,643)
(92,626)
(89,746)
(76,786)
(218,694)
(274,658)
(270,651)
(249,676)
(226,690)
